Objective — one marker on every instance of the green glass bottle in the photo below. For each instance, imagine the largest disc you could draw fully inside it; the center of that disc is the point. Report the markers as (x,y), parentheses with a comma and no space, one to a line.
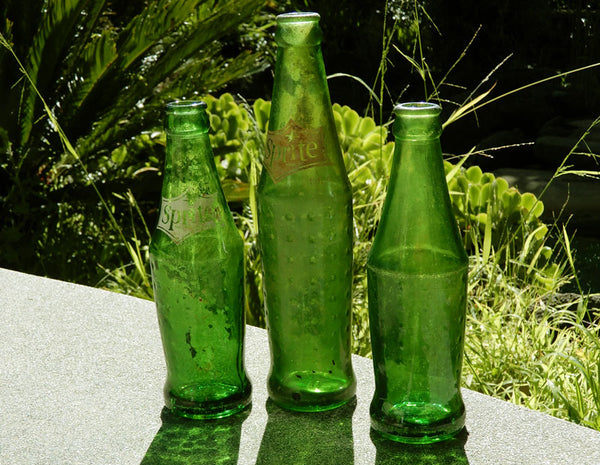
(417,286)
(197,263)
(305,230)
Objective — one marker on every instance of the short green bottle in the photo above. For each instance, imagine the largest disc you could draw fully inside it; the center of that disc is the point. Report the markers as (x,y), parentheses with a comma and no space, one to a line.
(197,263)
(305,230)
(417,288)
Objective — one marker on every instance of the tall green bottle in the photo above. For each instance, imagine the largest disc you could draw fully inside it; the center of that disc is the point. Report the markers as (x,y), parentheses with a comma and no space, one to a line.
(417,285)
(197,262)
(305,230)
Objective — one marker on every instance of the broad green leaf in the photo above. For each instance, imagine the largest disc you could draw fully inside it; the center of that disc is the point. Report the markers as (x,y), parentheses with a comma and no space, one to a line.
(532,204)
(500,185)
(261,110)
(474,174)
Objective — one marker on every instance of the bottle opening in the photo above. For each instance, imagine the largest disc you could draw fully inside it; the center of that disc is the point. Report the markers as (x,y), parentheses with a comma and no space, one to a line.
(418,108)
(298,16)
(417,120)
(186,116)
(186,105)
(298,29)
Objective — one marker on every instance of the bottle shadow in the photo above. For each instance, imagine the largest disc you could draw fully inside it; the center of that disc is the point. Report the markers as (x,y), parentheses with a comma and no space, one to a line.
(308,438)
(181,441)
(450,452)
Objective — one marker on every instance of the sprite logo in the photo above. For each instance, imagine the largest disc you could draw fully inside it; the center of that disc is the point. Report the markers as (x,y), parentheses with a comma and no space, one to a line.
(181,217)
(294,148)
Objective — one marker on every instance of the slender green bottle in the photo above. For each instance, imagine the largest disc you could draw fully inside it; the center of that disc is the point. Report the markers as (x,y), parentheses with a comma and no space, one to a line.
(197,262)
(417,284)
(305,230)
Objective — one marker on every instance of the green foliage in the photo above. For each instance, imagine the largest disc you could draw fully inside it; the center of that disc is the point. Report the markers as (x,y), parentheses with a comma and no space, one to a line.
(232,137)
(368,159)
(500,221)
(104,70)
(523,349)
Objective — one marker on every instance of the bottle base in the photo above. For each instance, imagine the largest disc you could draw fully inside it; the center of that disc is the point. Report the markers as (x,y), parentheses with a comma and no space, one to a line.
(414,423)
(208,402)
(285,404)
(311,392)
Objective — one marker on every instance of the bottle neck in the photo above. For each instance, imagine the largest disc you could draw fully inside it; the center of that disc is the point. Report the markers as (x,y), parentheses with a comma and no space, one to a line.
(418,174)
(300,89)
(189,166)
(417,214)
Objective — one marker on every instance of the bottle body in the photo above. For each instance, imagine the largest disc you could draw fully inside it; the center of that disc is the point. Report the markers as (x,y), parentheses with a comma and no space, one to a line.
(197,263)
(305,232)
(417,287)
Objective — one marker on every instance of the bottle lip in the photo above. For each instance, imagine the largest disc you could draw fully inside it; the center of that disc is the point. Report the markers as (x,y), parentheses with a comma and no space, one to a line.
(186,117)
(186,105)
(299,29)
(417,108)
(298,17)
(417,120)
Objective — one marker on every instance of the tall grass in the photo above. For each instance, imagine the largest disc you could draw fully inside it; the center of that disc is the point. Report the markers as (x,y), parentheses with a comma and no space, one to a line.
(522,348)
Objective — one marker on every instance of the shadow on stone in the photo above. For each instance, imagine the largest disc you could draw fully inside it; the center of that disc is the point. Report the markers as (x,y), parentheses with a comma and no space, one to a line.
(308,438)
(451,452)
(182,441)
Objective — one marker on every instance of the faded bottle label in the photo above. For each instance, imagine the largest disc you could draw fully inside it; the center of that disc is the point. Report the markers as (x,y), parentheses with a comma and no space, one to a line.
(181,217)
(294,148)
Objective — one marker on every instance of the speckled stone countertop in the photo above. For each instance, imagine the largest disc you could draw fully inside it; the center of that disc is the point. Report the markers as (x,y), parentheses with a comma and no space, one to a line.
(82,371)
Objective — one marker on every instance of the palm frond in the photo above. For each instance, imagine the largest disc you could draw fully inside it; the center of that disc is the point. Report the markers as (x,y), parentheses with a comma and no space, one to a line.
(85,33)
(187,60)
(95,60)
(147,29)
(45,53)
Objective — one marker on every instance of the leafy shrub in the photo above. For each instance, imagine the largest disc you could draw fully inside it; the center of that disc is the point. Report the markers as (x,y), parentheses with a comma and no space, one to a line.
(495,220)
(501,222)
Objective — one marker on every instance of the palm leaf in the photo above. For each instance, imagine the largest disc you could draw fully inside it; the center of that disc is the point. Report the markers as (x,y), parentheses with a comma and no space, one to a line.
(208,25)
(148,28)
(181,62)
(87,27)
(49,44)
(96,58)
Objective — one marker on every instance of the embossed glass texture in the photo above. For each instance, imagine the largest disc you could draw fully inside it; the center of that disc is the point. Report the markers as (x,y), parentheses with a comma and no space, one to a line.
(305,230)
(417,287)
(197,263)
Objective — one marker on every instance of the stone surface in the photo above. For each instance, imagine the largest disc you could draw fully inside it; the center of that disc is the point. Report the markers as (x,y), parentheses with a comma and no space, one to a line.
(82,373)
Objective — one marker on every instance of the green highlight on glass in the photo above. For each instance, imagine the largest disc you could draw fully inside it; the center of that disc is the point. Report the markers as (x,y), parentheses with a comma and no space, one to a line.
(305,230)
(417,287)
(197,263)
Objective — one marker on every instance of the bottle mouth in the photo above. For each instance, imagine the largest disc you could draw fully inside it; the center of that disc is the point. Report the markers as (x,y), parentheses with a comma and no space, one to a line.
(298,17)
(186,116)
(417,120)
(298,29)
(186,105)
(417,108)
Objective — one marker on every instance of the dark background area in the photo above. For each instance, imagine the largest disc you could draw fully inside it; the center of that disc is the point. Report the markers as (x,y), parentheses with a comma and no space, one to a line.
(542,37)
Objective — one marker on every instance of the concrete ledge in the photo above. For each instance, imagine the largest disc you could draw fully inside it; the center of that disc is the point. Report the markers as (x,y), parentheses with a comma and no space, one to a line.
(82,373)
